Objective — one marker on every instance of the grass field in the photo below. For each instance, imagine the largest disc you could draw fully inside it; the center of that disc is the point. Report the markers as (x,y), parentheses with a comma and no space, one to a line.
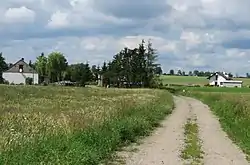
(232,106)
(193,80)
(60,125)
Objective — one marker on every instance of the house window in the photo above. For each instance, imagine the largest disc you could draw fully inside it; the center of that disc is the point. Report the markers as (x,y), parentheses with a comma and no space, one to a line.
(221,83)
(20,68)
(216,77)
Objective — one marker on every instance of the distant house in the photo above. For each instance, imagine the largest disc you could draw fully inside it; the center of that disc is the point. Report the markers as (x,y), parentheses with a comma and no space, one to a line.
(19,72)
(223,80)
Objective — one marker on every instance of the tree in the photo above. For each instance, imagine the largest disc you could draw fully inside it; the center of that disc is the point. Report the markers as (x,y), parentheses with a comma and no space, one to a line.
(29,81)
(133,67)
(79,73)
(196,73)
(31,64)
(158,70)
(151,58)
(171,72)
(95,71)
(104,67)
(87,74)
(230,75)
(3,67)
(179,72)
(41,67)
(56,66)
(190,73)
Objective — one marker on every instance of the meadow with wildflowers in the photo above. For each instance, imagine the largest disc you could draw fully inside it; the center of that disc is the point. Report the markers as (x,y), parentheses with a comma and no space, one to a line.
(69,125)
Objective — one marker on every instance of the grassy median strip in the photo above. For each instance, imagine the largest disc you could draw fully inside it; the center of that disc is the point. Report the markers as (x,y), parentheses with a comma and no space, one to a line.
(192,152)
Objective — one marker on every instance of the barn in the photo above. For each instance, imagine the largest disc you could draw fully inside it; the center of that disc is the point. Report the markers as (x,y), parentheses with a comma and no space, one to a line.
(223,80)
(19,72)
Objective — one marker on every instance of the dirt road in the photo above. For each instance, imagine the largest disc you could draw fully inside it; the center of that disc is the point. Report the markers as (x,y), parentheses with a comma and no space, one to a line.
(166,143)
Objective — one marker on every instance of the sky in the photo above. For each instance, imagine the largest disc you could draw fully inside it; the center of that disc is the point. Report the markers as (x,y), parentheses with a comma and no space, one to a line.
(209,35)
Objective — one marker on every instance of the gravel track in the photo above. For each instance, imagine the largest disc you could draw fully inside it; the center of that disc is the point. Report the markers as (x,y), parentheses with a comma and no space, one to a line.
(165,144)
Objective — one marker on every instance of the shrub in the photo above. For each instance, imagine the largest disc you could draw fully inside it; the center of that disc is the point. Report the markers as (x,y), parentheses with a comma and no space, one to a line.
(6,82)
(29,81)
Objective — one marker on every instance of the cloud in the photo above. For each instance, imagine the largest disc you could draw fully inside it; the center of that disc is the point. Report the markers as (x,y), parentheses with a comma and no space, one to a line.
(188,34)
(59,20)
(132,9)
(19,15)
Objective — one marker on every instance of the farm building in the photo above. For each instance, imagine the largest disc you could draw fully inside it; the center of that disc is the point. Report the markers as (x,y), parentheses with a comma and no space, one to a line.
(19,72)
(223,80)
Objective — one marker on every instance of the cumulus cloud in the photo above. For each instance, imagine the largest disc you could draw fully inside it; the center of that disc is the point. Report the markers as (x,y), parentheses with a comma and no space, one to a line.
(19,15)
(59,20)
(188,34)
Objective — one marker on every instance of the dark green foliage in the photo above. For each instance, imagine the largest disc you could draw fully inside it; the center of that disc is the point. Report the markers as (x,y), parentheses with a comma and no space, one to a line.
(133,67)
(3,67)
(41,67)
(79,73)
(56,65)
(29,81)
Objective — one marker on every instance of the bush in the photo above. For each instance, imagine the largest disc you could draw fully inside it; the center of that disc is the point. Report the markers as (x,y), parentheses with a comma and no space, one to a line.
(29,81)
(6,82)
(208,85)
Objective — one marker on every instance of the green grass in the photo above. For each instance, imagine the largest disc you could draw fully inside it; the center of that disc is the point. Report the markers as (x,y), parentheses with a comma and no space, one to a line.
(60,125)
(218,89)
(233,110)
(192,152)
(184,80)
(194,80)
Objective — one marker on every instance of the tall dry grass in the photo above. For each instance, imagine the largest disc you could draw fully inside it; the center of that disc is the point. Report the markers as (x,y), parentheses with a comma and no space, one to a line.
(65,125)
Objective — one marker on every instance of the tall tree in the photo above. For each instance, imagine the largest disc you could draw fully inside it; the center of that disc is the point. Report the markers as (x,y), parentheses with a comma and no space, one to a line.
(56,66)
(158,70)
(41,67)
(151,58)
(230,75)
(81,73)
(3,67)
(179,72)
(31,64)
(171,72)
(196,73)
(95,71)
(135,67)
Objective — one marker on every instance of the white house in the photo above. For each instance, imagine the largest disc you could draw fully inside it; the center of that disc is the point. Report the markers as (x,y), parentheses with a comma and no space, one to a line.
(18,73)
(223,80)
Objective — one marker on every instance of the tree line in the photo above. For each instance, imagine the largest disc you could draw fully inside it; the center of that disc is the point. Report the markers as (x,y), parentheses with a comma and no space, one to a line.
(192,73)
(129,67)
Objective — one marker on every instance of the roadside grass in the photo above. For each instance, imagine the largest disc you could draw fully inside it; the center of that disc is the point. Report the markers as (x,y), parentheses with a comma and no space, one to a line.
(233,110)
(192,152)
(65,125)
(218,89)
